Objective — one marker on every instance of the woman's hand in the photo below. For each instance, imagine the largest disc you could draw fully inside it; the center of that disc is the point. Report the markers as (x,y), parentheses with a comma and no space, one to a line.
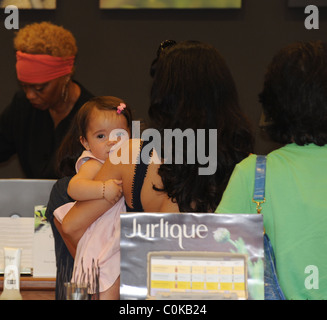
(113,190)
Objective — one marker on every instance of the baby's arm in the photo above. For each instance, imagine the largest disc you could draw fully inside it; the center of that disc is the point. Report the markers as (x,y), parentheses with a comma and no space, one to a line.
(82,186)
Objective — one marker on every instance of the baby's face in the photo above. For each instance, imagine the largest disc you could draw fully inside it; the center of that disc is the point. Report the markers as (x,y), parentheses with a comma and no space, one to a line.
(105,130)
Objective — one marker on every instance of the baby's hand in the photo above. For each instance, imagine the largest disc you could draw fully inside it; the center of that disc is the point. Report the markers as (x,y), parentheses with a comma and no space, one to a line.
(113,190)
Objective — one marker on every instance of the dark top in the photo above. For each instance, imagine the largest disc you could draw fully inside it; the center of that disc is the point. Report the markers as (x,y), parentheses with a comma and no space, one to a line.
(30,133)
(141,169)
(64,260)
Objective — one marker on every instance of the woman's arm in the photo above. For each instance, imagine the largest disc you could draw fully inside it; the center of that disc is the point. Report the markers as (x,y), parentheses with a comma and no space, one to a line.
(84,213)
(71,248)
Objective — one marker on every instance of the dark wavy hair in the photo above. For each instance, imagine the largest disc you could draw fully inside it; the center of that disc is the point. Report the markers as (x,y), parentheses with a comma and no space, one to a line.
(294,96)
(193,88)
(71,147)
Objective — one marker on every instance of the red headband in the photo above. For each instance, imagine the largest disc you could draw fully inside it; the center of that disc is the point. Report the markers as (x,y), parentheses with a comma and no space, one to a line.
(40,68)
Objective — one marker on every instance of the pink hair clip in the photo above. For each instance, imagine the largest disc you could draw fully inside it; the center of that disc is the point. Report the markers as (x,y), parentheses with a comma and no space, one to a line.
(121,107)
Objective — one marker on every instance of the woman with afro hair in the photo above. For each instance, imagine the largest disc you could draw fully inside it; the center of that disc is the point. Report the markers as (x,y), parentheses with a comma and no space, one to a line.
(39,115)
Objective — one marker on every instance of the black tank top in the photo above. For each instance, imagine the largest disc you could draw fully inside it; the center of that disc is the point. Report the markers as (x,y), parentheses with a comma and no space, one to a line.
(141,169)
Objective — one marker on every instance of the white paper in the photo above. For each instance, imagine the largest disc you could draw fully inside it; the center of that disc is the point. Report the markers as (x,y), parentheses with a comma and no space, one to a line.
(35,240)
(44,258)
(17,233)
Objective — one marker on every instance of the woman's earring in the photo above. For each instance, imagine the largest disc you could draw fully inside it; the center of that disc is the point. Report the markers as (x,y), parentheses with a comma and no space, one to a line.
(64,91)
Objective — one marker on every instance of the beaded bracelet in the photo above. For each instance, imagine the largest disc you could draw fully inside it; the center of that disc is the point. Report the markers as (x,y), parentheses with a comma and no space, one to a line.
(103,188)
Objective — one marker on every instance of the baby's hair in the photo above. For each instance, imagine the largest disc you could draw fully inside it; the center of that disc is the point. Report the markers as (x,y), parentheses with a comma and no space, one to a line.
(71,148)
(106,103)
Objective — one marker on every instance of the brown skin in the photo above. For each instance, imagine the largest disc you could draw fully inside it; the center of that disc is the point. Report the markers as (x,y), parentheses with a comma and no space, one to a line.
(49,96)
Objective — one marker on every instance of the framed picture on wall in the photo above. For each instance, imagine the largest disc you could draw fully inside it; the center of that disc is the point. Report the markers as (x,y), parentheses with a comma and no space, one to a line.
(304,3)
(30,4)
(170,4)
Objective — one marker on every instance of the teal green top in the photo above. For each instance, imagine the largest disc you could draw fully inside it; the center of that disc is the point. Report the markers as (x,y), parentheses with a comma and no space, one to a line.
(295,214)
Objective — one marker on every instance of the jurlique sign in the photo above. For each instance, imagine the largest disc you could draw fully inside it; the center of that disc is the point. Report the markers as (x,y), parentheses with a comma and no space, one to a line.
(164,229)
(191,253)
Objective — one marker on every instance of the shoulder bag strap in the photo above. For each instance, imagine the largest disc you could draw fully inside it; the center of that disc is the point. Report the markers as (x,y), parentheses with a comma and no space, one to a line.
(273,291)
(260,182)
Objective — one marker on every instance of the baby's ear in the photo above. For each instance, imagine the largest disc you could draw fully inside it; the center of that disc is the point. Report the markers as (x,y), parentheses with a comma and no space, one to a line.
(84,143)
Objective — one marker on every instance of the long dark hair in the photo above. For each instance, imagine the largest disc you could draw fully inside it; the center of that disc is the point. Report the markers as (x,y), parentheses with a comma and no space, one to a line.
(193,88)
(71,148)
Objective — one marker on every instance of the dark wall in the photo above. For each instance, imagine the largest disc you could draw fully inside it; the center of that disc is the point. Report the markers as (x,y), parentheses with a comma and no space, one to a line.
(116,48)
